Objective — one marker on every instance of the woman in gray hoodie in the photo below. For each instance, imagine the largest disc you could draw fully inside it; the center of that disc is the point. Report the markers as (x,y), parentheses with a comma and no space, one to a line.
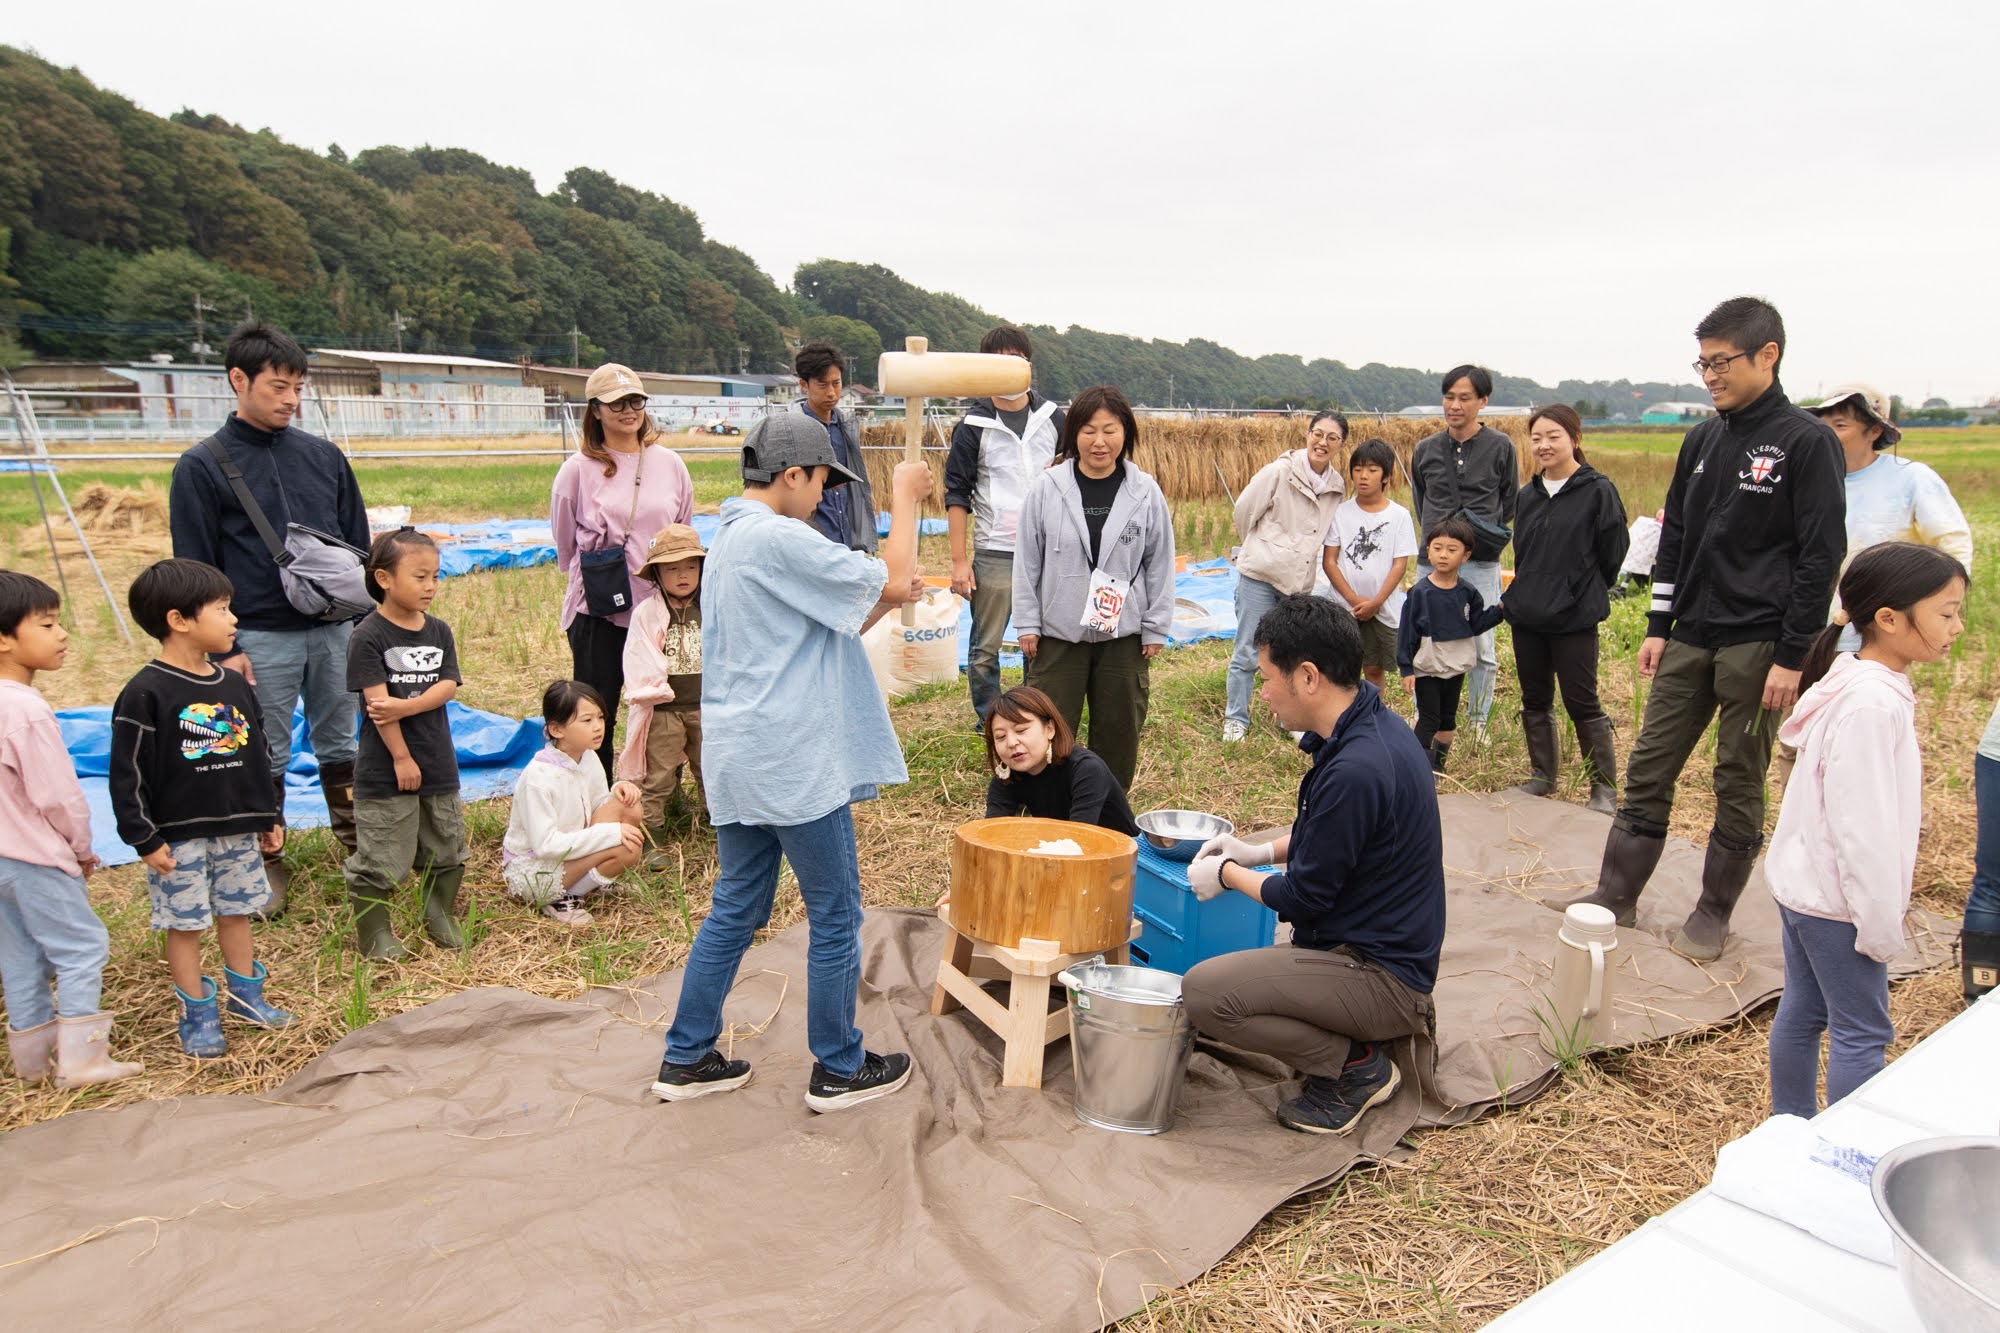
(1094,577)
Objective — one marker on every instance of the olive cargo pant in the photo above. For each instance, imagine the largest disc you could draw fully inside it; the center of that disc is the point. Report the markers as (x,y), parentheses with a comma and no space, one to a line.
(1113,677)
(1691,687)
(1306,1007)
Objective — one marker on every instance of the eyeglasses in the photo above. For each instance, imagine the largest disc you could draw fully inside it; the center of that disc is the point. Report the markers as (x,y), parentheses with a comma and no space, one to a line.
(626,406)
(1718,364)
(1330,435)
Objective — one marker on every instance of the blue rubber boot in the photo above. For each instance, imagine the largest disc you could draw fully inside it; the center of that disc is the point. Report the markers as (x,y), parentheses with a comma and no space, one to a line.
(246,999)
(201,1023)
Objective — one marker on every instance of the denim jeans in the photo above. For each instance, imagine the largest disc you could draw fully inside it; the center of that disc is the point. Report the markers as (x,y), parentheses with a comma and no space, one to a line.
(311,664)
(1829,988)
(1982,906)
(1253,598)
(822,857)
(48,934)
(992,603)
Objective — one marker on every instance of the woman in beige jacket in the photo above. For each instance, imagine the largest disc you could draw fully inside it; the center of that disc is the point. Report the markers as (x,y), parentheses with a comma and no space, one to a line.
(1282,515)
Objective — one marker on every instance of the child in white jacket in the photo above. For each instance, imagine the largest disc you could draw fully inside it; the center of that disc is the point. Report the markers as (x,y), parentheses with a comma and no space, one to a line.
(1841,860)
(568,835)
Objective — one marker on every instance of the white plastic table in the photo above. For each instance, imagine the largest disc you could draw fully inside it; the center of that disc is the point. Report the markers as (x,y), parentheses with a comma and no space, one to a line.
(1712,1264)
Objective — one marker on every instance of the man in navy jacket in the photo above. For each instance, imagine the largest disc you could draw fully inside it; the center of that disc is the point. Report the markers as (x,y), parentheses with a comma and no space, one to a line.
(1361,881)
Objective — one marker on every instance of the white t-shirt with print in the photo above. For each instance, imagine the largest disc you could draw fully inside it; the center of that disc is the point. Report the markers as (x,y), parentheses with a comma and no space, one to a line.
(1369,544)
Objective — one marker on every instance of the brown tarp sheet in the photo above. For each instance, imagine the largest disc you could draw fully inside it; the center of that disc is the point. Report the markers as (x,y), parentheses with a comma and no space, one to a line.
(494,1160)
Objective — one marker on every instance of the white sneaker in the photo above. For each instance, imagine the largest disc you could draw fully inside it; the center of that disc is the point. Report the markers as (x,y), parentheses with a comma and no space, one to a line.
(568,912)
(1233,730)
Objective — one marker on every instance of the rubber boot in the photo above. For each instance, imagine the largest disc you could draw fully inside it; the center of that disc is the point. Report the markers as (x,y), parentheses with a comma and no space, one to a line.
(246,999)
(83,1053)
(1440,753)
(34,1050)
(336,783)
(659,855)
(275,873)
(201,1023)
(1631,852)
(1600,760)
(1539,729)
(439,893)
(1978,952)
(373,934)
(1724,872)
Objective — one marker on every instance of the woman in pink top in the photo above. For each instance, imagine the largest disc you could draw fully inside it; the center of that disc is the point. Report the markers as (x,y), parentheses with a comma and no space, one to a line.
(613,496)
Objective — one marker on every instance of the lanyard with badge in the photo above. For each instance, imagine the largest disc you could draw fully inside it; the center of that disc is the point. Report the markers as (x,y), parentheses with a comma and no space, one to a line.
(1104,602)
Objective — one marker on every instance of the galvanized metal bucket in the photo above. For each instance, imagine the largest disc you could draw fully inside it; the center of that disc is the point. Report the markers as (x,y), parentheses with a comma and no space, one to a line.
(1129,1037)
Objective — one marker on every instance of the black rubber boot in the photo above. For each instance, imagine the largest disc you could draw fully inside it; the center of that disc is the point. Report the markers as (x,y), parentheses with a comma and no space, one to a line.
(336,783)
(1979,958)
(1539,728)
(275,873)
(1600,761)
(373,934)
(439,891)
(1724,872)
(1631,851)
(1440,752)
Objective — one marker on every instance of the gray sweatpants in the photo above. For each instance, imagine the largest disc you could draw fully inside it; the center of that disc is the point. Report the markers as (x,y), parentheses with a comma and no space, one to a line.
(1306,1007)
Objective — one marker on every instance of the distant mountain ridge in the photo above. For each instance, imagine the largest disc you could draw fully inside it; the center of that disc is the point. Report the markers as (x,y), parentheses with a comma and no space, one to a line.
(115,223)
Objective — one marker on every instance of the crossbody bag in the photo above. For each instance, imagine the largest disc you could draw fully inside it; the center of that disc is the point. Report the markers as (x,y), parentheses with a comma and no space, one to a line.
(322,575)
(607,584)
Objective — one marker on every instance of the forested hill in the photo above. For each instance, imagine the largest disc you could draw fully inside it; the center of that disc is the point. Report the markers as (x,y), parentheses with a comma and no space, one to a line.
(114,221)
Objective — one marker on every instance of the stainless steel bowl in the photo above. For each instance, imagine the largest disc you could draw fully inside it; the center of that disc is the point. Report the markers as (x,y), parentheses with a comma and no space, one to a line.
(1941,1199)
(1179,834)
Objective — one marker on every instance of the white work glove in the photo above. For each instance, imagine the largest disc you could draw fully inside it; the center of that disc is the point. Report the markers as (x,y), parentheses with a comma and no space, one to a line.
(1205,876)
(1249,854)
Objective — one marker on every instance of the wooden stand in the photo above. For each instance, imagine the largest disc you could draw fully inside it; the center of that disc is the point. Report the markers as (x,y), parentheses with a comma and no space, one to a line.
(1025,1026)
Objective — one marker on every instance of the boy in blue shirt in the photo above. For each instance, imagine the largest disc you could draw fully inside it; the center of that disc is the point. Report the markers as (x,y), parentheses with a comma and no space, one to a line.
(796,731)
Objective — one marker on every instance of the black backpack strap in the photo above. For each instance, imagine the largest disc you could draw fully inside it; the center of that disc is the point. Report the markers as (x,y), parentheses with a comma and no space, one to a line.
(234,476)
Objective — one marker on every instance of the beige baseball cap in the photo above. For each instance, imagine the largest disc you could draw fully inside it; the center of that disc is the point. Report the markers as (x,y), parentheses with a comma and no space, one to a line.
(1870,401)
(611,381)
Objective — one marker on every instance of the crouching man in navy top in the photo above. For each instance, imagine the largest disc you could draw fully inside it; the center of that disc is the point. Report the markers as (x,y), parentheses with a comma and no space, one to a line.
(1361,879)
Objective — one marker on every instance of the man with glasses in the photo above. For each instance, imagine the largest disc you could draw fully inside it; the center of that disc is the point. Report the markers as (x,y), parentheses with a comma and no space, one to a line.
(846,515)
(1752,540)
(1471,469)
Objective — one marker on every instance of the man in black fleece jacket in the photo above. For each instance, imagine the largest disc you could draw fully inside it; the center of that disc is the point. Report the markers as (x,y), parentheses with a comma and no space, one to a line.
(1754,536)
(295,478)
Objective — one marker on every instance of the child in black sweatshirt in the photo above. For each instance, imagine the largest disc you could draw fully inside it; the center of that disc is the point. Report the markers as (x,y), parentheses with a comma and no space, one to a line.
(1435,643)
(191,787)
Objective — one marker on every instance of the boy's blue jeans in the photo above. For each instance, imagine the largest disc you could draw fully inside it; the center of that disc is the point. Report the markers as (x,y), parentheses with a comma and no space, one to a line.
(1253,598)
(1830,988)
(1982,907)
(48,934)
(822,857)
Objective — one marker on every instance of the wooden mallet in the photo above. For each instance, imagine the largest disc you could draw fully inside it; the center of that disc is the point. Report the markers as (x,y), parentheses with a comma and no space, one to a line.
(917,372)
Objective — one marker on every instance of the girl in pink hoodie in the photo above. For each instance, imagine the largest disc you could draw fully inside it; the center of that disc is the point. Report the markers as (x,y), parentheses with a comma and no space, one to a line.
(1846,845)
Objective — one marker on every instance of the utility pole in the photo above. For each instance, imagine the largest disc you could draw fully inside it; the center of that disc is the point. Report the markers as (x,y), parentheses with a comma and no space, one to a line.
(575,344)
(742,359)
(398,323)
(200,346)
(1170,389)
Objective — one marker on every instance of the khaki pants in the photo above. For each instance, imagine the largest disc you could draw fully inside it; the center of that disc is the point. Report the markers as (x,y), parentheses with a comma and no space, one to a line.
(1113,677)
(673,739)
(1306,1007)
(1692,688)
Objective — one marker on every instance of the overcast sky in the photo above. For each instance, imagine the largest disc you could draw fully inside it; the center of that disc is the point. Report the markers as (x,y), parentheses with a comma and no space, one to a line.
(1552,189)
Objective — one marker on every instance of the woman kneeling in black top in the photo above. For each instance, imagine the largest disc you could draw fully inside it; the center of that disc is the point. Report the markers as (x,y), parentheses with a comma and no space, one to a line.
(1040,770)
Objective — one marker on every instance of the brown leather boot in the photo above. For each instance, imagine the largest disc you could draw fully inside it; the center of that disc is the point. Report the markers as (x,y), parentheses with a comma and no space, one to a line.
(275,873)
(1724,872)
(1631,852)
(336,783)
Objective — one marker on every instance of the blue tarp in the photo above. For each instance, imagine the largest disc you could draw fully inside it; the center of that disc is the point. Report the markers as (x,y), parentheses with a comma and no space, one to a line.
(492,751)
(517,543)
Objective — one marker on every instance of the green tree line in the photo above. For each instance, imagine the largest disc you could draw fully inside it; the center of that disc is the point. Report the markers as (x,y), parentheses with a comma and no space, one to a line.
(115,222)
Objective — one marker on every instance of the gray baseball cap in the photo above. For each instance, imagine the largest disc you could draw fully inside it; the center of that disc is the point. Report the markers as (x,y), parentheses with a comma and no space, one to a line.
(790,439)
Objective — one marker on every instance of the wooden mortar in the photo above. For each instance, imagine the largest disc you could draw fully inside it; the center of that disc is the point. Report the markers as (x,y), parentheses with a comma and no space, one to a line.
(1003,891)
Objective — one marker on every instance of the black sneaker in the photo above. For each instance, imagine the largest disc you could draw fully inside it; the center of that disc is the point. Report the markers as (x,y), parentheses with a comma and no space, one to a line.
(711,1073)
(1333,1105)
(878,1076)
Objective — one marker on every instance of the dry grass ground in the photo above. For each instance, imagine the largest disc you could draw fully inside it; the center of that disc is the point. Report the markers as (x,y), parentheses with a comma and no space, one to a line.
(1478,1216)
